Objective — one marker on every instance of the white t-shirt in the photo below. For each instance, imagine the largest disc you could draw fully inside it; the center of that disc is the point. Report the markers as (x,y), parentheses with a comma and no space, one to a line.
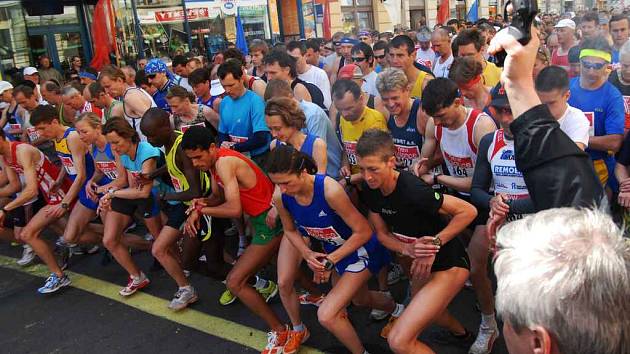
(425,57)
(575,124)
(319,78)
(369,84)
(183,82)
(442,69)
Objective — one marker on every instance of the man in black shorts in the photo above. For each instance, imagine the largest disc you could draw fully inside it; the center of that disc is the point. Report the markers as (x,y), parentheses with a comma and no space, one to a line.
(430,252)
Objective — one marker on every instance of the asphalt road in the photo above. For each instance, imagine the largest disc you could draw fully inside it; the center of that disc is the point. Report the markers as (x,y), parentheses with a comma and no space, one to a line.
(90,316)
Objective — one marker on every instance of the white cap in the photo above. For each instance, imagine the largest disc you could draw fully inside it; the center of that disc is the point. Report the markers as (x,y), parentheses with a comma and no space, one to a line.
(216,88)
(5,85)
(29,70)
(565,23)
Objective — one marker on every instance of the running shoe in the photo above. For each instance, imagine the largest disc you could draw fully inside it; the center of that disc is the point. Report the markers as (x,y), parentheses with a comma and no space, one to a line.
(28,256)
(296,338)
(227,298)
(183,297)
(485,340)
(395,274)
(276,342)
(308,299)
(134,285)
(445,337)
(268,292)
(54,283)
(388,327)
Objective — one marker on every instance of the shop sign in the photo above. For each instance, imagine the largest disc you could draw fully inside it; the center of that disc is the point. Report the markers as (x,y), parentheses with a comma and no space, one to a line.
(229,7)
(178,15)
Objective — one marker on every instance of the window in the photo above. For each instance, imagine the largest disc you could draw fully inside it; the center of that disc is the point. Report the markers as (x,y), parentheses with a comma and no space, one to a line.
(357,15)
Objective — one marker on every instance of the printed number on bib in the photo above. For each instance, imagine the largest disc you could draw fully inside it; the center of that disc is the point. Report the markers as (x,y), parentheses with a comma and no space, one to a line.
(459,166)
(325,234)
(406,155)
(591,122)
(68,164)
(351,151)
(108,168)
(32,133)
(176,184)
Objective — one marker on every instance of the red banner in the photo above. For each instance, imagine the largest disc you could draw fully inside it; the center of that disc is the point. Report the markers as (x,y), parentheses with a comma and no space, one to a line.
(178,15)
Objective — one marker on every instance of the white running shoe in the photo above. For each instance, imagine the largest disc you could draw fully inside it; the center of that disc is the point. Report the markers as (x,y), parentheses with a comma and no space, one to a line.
(28,256)
(485,340)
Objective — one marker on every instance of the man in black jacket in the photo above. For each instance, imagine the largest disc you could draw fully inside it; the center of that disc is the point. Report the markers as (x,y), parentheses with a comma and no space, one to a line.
(556,171)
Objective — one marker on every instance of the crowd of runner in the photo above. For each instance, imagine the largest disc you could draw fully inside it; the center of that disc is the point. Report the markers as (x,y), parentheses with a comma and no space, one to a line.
(371,154)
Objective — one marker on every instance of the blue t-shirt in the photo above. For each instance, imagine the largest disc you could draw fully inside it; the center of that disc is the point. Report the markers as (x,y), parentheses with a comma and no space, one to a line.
(606,107)
(318,124)
(615,56)
(144,152)
(243,117)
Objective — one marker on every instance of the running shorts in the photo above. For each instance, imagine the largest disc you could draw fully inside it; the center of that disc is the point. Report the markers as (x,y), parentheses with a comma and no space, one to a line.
(262,233)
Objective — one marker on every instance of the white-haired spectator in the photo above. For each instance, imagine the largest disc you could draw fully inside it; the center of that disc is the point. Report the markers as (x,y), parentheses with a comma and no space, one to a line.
(564,283)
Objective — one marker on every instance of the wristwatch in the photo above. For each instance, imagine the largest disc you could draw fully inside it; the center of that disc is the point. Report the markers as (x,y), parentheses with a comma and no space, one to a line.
(328,264)
(437,241)
(65,206)
(435,178)
(111,191)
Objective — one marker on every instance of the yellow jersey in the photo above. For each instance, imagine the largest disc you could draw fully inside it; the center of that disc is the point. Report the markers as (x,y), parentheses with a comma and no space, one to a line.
(352,131)
(491,74)
(416,90)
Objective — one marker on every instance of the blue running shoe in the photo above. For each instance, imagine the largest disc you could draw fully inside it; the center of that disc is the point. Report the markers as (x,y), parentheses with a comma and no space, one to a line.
(54,283)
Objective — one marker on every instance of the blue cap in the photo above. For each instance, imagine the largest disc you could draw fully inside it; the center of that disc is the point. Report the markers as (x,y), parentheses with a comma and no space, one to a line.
(155,66)
(348,40)
(499,96)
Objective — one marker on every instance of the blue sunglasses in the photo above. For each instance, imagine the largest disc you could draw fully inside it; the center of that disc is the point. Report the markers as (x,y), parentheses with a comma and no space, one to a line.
(589,65)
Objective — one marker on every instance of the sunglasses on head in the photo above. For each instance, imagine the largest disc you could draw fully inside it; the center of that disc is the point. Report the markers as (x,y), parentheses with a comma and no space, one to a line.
(379,56)
(358,60)
(590,65)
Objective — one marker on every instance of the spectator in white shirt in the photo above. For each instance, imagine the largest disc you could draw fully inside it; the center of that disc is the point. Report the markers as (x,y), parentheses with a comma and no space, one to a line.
(363,57)
(309,73)
(552,86)
(441,43)
(425,55)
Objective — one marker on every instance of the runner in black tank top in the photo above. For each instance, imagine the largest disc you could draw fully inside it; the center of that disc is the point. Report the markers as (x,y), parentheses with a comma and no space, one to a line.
(407,139)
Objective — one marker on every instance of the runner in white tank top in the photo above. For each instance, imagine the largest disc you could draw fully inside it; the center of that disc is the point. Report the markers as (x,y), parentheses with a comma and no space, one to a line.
(133,120)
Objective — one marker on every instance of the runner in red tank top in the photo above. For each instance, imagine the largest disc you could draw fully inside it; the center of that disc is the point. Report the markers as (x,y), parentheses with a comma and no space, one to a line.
(29,172)
(239,187)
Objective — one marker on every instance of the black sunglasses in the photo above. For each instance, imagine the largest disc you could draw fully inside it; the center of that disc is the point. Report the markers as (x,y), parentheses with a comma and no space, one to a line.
(358,59)
(152,76)
(379,56)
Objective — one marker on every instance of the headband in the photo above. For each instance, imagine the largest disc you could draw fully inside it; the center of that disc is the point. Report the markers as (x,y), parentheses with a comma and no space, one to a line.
(472,82)
(595,53)
(87,75)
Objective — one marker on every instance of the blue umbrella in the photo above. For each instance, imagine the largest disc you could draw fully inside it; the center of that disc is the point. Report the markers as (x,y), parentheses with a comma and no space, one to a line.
(241,42)
(473,12)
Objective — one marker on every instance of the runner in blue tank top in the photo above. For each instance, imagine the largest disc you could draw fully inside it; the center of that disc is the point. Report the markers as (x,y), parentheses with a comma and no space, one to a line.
(406,121)
(317,206)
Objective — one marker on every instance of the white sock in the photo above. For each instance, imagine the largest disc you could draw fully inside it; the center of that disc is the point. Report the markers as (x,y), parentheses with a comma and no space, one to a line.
(398,310)
(488,320)
(298,328)
(187,287)
(260,283)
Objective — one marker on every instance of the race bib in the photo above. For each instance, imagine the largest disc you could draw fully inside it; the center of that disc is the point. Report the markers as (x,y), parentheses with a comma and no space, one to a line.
(351,151)
(325,234)
(15,128)
(460,166)
(33,134)
(108,168)
(234,139)
(176,184)
(406,155)
(403,238)
(590,116)
(68,164)
(626,107)
(183,128)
